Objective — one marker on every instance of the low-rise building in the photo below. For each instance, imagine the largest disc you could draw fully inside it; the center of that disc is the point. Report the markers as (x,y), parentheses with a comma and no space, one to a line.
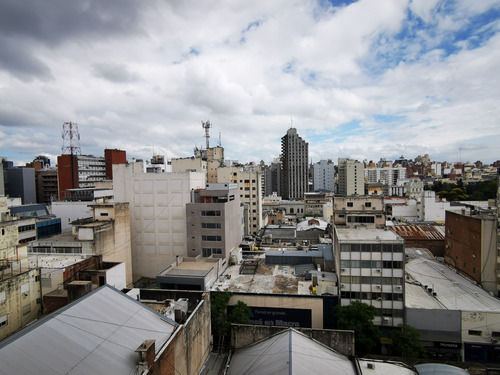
(358,210)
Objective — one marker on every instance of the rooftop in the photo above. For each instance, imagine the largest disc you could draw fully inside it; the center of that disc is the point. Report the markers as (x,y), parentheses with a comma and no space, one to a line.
(187,268)
(420,232)
(366,234)
(452,290)
(276,279)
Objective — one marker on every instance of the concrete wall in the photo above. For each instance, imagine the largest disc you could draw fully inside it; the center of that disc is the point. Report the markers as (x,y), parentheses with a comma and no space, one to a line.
(21,304)
(116,276)
(157,214)
(70,211)
(340,341)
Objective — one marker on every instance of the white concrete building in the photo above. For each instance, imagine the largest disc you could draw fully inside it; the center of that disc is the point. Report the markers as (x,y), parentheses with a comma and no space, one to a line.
(157,214)
(388,175)
(70,211)
(370,263)
(324,175)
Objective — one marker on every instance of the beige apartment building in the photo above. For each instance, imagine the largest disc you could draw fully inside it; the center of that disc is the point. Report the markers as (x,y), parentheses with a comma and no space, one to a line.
(359,210)
(250,192)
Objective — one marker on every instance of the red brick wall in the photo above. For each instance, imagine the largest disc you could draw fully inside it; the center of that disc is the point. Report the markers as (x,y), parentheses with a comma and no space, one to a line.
(113,157)
(67,172)
(463,244)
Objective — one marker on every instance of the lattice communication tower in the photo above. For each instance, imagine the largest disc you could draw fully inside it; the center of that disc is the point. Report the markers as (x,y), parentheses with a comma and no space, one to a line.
(207,125)
(71,138)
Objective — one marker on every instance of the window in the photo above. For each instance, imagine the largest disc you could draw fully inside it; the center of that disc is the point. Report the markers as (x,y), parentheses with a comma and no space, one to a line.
(473,332)
(350,204)
(368,204)
(25,288)
(2,296)
(211,225)
(211,238)
(3,320)
(210,213)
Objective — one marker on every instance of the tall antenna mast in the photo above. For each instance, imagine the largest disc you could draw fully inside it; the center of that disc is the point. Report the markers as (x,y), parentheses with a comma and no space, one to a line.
(207,125)
(220,140)
(71,139)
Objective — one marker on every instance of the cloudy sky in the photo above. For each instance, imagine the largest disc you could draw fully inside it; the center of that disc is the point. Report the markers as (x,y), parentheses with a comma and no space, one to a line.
(362,79)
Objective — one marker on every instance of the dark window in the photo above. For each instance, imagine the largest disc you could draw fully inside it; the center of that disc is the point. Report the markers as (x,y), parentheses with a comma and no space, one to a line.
(350,204)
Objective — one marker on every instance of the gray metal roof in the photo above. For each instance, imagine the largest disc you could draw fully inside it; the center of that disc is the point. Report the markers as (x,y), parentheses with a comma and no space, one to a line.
(453,291)
(289,352)
(97,334)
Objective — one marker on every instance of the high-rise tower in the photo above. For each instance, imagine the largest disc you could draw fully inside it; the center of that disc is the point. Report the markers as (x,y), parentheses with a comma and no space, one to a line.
(294,165)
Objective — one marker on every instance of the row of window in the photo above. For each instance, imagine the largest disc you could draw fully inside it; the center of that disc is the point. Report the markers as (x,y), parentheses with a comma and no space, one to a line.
(26,228)
(379,264)
(211,213)
(372,248)
(211,225)
(372,296)
(57,250)
(371,280)
(208,251)
(211,238)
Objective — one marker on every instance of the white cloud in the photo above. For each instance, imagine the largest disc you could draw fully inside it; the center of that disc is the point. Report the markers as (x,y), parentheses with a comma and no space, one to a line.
(250,68)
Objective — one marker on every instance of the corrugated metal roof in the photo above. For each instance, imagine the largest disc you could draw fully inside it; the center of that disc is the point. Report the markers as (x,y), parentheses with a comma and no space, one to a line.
(419,232)
(97,334)
(289,352)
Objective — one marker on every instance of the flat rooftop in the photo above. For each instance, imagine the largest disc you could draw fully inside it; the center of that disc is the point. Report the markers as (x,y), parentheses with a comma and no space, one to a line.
(273,279)
(198,268)
(453,291)
(52,260)
(366,234)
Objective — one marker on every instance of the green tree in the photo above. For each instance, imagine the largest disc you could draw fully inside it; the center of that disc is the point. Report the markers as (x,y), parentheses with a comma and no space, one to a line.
(240,314)
(405,342)
(221,320)
(218,309)
(359,318)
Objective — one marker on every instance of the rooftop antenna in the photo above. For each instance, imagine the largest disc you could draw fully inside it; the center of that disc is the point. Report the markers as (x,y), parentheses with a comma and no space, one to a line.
(207,125)
(220,140)
(71,139)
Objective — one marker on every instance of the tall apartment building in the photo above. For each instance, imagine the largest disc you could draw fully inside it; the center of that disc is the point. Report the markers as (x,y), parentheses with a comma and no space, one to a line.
(370,263)
(351,177)
(250,191)
(214,221)
(272,177)
(157,214)
(294,166)
(84,171)
(46,185)
(214,156)
(324,176)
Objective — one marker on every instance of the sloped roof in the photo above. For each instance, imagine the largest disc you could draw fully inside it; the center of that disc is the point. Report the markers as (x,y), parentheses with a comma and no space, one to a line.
(419,232)
(289,352)
(97,334)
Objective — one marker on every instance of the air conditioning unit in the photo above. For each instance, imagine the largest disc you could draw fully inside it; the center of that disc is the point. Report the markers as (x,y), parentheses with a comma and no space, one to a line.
(399,287)
(342,285)
(378,287)
(378,270)
(342,269)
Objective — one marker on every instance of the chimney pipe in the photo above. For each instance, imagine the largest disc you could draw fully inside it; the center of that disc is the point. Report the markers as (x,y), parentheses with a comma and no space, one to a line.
(146,353)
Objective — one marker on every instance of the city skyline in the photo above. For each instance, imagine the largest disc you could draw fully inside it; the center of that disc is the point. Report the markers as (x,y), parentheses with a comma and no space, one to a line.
(358,79)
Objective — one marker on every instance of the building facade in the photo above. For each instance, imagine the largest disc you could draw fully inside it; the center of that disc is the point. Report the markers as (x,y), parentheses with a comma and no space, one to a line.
(351,177)
(371,267)
(157,214)
(294,166)
(250,192)
(470,247)
(214,221)
(324,176)
(353,211)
